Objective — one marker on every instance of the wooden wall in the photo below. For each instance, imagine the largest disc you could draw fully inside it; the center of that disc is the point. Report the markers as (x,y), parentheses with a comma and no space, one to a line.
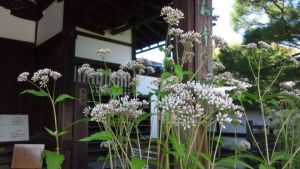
(15,57)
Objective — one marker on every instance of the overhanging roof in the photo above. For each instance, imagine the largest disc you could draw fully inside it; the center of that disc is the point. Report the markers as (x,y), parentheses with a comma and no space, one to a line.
(99,15)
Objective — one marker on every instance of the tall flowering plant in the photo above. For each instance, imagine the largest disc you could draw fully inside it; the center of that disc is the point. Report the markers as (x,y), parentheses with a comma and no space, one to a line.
(279,111)
(43,81)
(118,119)
(185,110)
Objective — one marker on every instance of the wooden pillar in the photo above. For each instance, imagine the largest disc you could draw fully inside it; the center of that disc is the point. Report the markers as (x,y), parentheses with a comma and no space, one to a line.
(198,17)
(66,110)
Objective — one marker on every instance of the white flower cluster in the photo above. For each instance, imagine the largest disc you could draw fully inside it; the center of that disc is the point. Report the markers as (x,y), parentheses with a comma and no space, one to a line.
(103,52)
(263,44)
(23,77)
(218,66)
(287,85)
(227,79)
(289,89)
(223,118)
(140,66)
(125,107)
(119,74)
(250,46)
(219,42)
(260,44)
(189,38)
(109,144)
(245,145)
(176,32)
(171,16)
(87,70)
(87,110)
(187,102)
(42,76)
(277,118)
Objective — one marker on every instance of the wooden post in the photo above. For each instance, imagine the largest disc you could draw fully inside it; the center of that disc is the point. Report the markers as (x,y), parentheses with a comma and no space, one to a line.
(198,17)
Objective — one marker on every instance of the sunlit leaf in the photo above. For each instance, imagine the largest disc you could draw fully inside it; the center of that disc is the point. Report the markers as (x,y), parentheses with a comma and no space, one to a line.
(103,135)
(53,159)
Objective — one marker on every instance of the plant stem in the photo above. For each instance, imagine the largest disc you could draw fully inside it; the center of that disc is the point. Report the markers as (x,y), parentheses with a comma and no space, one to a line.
(291,158)
(192,145)
(216,150)
(262,110)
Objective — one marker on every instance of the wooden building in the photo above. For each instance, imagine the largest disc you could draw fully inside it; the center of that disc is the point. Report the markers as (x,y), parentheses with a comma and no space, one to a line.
(63,34)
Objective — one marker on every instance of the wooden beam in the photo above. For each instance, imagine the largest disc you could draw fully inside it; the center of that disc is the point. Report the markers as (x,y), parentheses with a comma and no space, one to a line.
(134,24)
(103,38)
(154,31)
(93,4)
(148,37)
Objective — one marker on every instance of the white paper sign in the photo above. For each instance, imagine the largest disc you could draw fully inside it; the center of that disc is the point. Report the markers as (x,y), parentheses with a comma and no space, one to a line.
(14,128)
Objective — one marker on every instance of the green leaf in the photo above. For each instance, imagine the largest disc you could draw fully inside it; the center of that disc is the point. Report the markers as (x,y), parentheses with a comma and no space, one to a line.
(197,162)
(104,71)
(188,73)
(116,90)
(233,161)
(263,166)
(206,156)
(52,133)
(251,157)
(167,63)
(137,163)
(84,120)
(39,93)
(53,159)
(180,149)
(179,71)
(279,156)
(103,135)
(62,97)
(62,133)
(166,75)
(142,118)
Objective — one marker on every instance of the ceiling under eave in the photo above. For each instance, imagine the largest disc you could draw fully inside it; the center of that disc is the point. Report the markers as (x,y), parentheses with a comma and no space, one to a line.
(142,16)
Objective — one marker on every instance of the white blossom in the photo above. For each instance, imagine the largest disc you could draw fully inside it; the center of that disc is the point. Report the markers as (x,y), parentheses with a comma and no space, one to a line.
(87,110)
(223,118)
(171,16)
(219,42)
(175,32)
(139,66)
(44,79)
(103,52)
(189,38)
(250,46)
(87,70)
(187,102)
(218,66)
(41,76)
(245,145)
(287,85)
(109,144)
(119,74)
(263,44)
(130,108)
(23,77)
(55,75)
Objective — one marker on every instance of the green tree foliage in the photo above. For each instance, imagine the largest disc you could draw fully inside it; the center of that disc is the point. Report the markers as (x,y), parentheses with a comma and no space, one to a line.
(235,60)
(281,26)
